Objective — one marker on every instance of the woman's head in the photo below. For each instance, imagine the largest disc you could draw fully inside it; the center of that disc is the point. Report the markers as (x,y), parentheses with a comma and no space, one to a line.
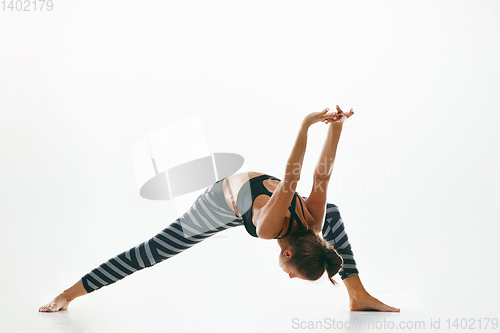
(306,255)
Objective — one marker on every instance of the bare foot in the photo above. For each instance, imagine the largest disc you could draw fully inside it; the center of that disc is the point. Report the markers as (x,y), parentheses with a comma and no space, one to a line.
(59,303)
(369,303)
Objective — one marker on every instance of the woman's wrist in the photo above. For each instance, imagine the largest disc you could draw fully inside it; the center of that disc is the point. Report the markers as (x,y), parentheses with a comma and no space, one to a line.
(304,125)
(336,126)
(334,133)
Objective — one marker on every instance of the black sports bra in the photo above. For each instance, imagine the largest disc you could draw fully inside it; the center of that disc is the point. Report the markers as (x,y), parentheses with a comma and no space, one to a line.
(251,190)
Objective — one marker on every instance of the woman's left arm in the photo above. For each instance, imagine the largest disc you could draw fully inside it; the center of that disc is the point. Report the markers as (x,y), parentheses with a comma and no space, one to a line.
(271,217)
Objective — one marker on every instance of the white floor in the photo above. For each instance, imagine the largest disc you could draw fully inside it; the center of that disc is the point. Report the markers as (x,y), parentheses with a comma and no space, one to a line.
(237,292)
(162,307)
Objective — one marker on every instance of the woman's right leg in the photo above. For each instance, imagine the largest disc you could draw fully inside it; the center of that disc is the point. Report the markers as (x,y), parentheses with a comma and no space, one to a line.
(334,234)
(207,216)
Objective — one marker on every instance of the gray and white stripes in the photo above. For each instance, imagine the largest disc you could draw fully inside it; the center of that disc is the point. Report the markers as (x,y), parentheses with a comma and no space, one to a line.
(334,234)
(207,216)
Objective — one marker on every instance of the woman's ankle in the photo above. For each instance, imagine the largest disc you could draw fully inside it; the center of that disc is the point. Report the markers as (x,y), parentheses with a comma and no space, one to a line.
(354,287)
(74,291)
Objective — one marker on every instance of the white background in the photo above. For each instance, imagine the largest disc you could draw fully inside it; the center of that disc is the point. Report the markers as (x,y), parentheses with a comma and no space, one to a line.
(416,175)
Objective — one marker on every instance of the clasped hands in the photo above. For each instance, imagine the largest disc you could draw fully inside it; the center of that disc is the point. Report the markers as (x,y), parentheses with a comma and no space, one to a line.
(335,118)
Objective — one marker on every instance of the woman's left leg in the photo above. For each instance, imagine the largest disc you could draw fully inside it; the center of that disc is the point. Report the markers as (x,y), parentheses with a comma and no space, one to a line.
(207,216)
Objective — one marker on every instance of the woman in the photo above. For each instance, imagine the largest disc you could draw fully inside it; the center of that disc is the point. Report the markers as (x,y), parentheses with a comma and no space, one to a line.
(269,208)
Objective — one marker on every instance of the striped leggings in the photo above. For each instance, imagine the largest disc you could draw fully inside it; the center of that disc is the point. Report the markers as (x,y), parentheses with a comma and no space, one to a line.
(208,215)
(334,234)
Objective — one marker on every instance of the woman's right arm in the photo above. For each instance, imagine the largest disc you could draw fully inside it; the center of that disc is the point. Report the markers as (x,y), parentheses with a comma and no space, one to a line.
(316,201)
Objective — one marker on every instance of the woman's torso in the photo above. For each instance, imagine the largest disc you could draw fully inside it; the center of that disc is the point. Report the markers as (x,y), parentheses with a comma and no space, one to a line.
(236,183)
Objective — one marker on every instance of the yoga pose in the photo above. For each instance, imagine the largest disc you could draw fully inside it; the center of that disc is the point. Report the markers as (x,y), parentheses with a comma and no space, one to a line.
(269,208)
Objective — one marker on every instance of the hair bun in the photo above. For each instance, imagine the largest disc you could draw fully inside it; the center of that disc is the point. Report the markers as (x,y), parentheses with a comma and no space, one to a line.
(333,262)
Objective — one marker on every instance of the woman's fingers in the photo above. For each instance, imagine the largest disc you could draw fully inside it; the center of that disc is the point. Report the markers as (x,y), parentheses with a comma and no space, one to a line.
(348,114)
(334,116)
(323,113)
(337,116)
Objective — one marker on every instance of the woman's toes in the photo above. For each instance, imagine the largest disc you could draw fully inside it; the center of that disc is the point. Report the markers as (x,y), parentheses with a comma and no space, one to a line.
(46,308)
(387,308)
(393,309)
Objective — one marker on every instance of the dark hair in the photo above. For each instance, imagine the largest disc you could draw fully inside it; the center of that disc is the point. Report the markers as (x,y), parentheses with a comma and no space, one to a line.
(311,256)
